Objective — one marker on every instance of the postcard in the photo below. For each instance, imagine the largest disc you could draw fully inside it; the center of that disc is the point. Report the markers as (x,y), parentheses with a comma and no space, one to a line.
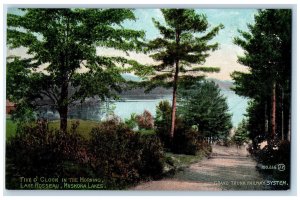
(148,99)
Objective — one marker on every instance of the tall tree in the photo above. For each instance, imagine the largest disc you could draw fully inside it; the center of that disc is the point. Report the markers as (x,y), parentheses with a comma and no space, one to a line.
(268,56)
(65,42)
(184,42)
(203,105)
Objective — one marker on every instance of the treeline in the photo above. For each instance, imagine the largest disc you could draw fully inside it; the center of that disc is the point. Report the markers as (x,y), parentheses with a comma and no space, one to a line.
(268,56)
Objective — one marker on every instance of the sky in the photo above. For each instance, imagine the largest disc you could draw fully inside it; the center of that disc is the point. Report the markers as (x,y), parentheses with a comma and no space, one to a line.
(225,57)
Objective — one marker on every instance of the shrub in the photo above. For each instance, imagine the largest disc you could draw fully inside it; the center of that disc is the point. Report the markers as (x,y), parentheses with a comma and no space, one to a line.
(163,122)
(145,120)
(152,158)
(273,154)
(38,151)
(186,140)
(122,156)
(205,147)
(132,121)
(115,151)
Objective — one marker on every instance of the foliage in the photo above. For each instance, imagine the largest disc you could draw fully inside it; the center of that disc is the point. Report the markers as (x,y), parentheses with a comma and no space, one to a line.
(186,140)
(256,126)
(145,120)
(203,105)
(115,153)
(179,43)
(131,122)
(241,134)
(274,154)
(163,122)
(183,43)
(123,157)
(152,157)
(36,150)
(64,41)
(267,56)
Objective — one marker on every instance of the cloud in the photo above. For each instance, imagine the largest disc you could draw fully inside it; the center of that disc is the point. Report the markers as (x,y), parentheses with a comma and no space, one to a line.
(225,57)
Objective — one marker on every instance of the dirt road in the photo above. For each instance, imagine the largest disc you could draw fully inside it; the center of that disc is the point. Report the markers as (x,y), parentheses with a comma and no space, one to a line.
(226,169)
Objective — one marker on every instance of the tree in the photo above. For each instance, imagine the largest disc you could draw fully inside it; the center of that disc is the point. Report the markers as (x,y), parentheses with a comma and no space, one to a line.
(65,42)
(183,42)
(203,105)
(268,57)
(241,134)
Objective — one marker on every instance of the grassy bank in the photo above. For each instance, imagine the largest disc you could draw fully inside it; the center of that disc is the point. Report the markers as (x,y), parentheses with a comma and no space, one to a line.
(84,128)
(11,128)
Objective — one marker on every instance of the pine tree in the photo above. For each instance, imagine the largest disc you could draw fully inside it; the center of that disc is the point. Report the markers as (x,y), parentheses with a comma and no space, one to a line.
(202,104)
(268,57)
(183,44)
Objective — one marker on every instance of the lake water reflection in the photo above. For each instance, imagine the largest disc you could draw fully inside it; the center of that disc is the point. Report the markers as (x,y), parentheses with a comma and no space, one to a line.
(237,106)
(95,110)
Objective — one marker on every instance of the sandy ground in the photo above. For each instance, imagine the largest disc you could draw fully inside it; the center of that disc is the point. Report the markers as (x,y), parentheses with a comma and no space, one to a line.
(228,168)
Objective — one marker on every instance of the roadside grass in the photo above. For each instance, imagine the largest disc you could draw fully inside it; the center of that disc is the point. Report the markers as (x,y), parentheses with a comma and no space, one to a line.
(178,162)
(11,128)
(183,160)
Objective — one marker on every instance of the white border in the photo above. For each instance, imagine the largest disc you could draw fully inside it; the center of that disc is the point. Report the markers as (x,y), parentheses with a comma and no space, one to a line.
(157,3)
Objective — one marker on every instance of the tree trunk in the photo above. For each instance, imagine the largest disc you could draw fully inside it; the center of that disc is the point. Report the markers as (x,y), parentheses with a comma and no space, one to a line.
(266,119)
(63,104)
(289,127)
(175,91)
(273,114)
(282,114)
(63,113)
(174,100)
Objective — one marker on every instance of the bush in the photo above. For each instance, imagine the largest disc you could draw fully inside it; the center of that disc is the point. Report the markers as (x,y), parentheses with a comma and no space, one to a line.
(115,153)
(273,154)
(38,151)
(186,140)
(152,158)
(205,147)
(122,156)
(145,120)
(163,122)
(132,121)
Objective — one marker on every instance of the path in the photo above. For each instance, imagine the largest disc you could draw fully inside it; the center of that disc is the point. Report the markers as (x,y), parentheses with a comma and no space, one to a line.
(227,169)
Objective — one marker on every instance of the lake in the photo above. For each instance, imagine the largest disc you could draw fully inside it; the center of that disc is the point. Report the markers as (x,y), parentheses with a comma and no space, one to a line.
(237,106)
(94,110)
